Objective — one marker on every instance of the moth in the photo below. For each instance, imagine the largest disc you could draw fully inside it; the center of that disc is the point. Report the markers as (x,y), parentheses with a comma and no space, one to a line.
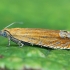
(56,39)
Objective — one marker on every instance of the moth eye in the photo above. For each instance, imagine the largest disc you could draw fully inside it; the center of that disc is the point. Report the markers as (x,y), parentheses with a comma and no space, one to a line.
(4,34)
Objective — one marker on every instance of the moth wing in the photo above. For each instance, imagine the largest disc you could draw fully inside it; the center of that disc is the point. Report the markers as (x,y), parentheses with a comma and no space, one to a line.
(47,42)
(43,37)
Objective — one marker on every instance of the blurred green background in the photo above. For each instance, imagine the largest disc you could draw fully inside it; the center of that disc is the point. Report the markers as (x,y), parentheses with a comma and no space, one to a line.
(50,14)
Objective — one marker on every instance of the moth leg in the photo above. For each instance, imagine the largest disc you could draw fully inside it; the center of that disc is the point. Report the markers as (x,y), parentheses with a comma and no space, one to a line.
(20,44)
(8,41)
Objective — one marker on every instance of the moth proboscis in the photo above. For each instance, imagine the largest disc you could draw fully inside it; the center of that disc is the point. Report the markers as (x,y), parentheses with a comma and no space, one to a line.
(37,36)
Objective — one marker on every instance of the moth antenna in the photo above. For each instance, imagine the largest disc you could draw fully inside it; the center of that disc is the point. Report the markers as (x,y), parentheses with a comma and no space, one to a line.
(12,24)
(9,25)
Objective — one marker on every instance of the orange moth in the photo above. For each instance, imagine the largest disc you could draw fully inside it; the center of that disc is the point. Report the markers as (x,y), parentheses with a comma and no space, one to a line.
(37,36)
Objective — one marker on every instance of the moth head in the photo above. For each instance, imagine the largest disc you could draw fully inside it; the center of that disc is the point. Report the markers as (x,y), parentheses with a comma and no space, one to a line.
(3,33)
